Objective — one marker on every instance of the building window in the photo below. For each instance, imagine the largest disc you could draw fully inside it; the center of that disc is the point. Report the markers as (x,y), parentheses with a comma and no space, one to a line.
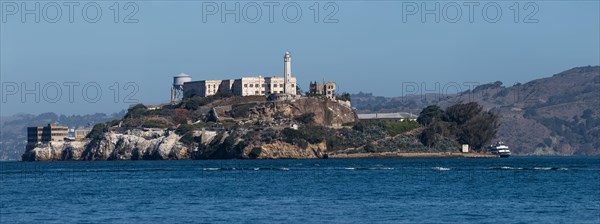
(255,92)
(251,85)
(245,85)
(293,85)
(280,85)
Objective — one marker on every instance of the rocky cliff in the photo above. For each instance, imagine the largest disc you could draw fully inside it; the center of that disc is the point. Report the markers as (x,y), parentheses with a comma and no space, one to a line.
(224,132)
(131,145)
(165,145)
(321,111)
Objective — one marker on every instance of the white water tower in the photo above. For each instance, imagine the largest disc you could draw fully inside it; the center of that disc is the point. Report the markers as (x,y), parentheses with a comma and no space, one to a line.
(177,89)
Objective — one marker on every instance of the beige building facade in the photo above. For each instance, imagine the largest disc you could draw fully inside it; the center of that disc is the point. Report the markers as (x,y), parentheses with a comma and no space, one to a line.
(52,132)
(81,133)
(245,86)
(326,89)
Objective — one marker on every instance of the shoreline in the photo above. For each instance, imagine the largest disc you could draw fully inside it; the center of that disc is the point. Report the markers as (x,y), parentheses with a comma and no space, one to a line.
(411,155)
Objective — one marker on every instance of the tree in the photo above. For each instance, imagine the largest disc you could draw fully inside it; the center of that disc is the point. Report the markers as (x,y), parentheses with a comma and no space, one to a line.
(345,97)
(432,133)
(461,113)
(430,114)
(479,130)
(136,111)
(463,123)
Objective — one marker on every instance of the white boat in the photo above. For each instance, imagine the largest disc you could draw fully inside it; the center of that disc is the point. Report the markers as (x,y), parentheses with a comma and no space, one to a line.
(500,149)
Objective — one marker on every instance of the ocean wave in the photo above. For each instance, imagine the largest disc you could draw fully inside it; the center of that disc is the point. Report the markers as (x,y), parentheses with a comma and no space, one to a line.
(440,168)
(532,168)
(505,168)
(211,169)
(547,168)
(245,168)
(368,168)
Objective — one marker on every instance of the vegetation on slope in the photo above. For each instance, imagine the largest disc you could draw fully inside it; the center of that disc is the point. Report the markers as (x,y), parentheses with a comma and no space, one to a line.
(462,123)
(547,116)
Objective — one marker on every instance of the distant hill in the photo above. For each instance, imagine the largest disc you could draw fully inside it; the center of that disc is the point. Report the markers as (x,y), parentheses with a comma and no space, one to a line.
(558,115)
(13,129)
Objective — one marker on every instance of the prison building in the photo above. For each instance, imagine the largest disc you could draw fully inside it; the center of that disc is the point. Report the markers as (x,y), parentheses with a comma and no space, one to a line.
(51,132)
(326,89)
(245,86)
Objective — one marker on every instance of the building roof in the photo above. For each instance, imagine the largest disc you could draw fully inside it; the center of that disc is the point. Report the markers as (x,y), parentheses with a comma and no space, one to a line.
(399,115)
(182,75)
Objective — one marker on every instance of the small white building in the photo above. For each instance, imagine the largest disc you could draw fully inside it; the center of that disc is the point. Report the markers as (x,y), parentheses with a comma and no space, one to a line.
(465,148)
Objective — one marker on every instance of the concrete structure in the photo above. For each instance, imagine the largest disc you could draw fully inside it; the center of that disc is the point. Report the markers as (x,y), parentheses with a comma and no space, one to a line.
(326,89)
(397,117)
(246,86)
(34,134)
(52,132)
(465,148)
(81,133)
(177,88)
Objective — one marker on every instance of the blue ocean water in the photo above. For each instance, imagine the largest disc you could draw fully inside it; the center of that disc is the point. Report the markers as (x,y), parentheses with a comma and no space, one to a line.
(512,190)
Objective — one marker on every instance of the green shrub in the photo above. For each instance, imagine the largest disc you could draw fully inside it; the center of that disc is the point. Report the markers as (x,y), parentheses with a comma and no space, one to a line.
(345,97)
(309,133)
(195,102)
(187,138)
(349,124)
(314,134)
(291,136)
(154,124)
(255,152)
(241,110)
(307,118)
(391,127)
(396,128)
(113,123)
(97,131)
(184,129)
(269,135)
(136,111)
(371,148)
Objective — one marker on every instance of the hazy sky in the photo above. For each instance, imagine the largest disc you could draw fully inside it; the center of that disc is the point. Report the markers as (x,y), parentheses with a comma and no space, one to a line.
(370,46)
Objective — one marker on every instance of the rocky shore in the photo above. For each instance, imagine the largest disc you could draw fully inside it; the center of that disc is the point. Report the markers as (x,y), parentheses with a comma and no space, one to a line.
(247,128)
(164,145)
(411,155)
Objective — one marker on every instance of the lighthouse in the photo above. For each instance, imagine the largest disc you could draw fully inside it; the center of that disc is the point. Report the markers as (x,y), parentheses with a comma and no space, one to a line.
(289,88)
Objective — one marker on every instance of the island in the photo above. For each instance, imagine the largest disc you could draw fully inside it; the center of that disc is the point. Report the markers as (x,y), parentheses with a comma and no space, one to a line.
(255,127)
(266,118)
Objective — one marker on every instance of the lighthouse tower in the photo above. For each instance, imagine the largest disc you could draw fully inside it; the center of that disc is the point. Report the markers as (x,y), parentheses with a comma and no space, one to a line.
(287,74)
